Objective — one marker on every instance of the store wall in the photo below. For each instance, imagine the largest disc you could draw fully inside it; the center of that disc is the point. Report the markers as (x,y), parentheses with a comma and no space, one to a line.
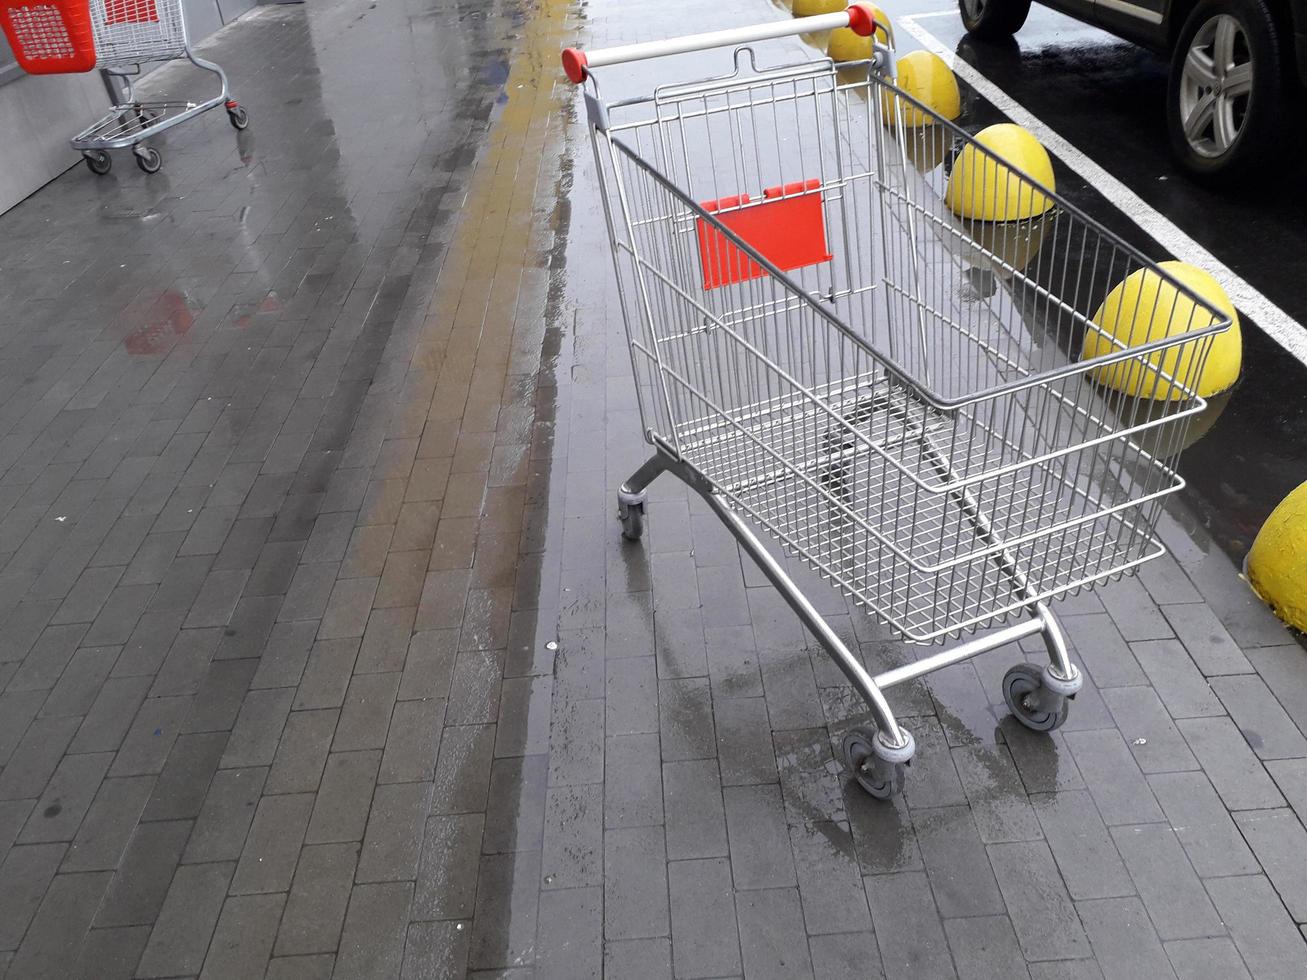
(39,114)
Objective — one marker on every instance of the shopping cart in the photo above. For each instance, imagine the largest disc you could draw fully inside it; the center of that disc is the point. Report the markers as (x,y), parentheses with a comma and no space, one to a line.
(897,395)
(118,37)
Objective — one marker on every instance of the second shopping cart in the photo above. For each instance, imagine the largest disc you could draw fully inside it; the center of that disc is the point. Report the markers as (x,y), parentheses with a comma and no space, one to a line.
(896,394)
(118,37)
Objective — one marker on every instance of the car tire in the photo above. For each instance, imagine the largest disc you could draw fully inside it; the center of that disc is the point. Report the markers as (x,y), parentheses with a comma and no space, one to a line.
(993,20)
(1228,91)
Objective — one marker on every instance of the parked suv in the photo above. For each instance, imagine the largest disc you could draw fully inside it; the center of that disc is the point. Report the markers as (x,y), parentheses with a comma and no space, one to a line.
(1234,97)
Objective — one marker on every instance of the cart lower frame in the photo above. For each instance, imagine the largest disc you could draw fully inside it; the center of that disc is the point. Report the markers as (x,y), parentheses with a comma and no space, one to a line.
(877,755)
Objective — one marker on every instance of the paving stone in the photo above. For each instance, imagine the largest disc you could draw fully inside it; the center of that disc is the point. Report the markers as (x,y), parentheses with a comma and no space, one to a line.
(225,818)
(994,791)
(184,782)
(148,644)
(1203,636)
(1133,611)
(830,882)
(882,834)
(846,956)
(258,729)
(327,674)
(186,921)
(1037,901)
(372,943)
(24,876)
(1123,939)
(396,828)
(242,941)
(1259,925)
(1154,741)
(744,742)
(13,815)
(985,947)
(507,908)
(573,837)
(447,875)
(344,797)
(686,720)
(692,802)
(1210,838)
(429,666)
(413,741)
(302,752)
(760,848)
(571,935)
(67,797)
(1179,684)
(1281,668)
(463,769)
(1196,959)
(934,779)
(633,790)
(436,951)
(632,696)
(771,934)
(45,662)
(475,688)
(704,933)
(1231,766)
(1277,839)
(315,908)
(908,929)
(576,739)
(66,911)
(635,884)
(1082,846)
(34,761)
(1265,726)
(524,716)
(639,959)
(1167,884)
(268,859)
(1290,776)
(959,871)
(365,717)
(110,954)
(1109,770)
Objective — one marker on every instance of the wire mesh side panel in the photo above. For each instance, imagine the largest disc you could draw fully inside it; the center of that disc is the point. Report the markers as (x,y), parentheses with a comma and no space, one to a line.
(909,412)
(130,32)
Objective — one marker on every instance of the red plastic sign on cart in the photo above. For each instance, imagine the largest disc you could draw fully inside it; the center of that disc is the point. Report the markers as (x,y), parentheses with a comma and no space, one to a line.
(787,228)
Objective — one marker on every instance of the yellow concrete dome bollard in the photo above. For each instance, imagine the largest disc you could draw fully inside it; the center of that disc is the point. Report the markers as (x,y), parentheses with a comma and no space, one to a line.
(1145,307)
(982,188)
(1277,563)
(811,8)
(926,78)
(846,44)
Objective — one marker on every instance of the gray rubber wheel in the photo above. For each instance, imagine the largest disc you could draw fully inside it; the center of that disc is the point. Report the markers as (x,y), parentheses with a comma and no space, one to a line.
(98,162)
(238,117)
(632,518)
(1019,683)
(148,159)
(879,780)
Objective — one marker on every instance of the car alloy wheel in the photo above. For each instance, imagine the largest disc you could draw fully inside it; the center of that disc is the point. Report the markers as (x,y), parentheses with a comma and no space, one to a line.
(1216,86)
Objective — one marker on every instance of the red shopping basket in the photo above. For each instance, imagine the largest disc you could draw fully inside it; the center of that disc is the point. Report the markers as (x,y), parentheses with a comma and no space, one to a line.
(49,37)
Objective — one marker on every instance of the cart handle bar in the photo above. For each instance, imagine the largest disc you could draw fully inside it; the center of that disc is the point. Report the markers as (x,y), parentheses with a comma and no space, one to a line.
(858,16)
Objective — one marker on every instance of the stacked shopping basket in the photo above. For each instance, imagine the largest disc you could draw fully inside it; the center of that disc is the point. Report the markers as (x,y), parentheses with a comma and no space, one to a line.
(51,37)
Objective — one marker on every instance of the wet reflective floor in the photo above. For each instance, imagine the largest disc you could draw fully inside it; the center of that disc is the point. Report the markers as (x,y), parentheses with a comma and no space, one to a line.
(321,653)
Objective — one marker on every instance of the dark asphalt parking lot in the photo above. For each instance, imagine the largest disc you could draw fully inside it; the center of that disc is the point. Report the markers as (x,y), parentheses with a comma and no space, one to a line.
(1106,97)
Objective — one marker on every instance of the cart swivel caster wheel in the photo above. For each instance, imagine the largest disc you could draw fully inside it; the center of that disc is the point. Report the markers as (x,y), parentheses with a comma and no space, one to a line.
(632,518)
(1038,710)
(878,778)
(148,159)
(98,162)
(238,117)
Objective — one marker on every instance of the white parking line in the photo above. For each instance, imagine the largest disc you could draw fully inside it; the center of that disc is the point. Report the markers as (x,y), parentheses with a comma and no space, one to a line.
(1276,323)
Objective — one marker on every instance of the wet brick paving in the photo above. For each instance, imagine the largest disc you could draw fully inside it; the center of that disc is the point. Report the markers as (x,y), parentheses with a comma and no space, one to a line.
(321,654)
